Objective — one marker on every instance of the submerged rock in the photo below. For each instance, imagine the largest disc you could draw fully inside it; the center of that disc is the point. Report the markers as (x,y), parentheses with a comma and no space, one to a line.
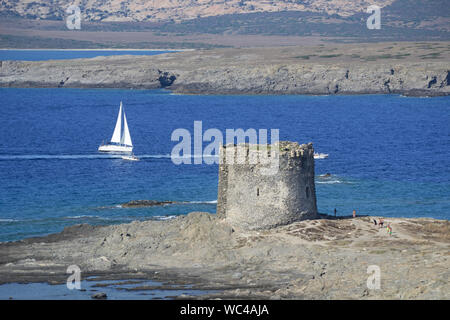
(145,203)
(99,296)
(325,175)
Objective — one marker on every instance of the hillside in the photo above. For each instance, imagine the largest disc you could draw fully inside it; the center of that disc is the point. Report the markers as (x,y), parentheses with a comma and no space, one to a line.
(211,23)
(177,10)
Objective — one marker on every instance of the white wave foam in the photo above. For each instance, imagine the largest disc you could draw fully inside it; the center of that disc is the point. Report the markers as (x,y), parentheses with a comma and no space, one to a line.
(164,217)
(202,202)
(156,156)
(79,217)
(8,220)
(329,182)
(86,217)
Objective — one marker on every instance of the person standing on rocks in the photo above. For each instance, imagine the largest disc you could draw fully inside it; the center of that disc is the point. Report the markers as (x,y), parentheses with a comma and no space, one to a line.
(389,229)
(354,213)
(335,211)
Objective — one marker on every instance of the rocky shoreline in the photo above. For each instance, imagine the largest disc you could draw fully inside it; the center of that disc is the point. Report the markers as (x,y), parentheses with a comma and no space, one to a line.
(244,71)
(325,258)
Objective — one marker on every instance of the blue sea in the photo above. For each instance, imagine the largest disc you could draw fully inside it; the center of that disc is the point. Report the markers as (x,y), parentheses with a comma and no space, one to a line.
(115,290)
(388,155)
(36,55)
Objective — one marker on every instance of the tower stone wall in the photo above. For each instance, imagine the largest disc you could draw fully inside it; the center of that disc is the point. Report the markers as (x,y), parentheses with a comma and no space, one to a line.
(250,198)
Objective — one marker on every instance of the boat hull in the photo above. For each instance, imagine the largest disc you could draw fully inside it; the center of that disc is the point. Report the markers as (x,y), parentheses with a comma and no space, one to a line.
(115,148)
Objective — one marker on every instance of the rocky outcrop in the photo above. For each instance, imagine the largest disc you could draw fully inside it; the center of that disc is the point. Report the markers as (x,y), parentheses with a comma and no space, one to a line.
(410,79)
(324,258)
(100,72)
(99,296)
(145,203)
(233,71)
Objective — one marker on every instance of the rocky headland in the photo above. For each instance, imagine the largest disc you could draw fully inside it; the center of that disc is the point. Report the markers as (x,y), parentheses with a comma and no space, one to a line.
(325,258)
(421,69)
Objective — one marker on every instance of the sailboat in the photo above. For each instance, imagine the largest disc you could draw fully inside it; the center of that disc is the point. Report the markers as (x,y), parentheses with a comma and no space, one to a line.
(121,139)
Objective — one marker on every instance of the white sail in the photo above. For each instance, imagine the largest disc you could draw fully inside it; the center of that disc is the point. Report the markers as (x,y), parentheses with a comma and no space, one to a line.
(116,137)
(121,139)
(126,138)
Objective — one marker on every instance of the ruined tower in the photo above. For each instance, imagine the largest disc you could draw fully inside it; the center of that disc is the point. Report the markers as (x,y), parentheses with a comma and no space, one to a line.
(251,197)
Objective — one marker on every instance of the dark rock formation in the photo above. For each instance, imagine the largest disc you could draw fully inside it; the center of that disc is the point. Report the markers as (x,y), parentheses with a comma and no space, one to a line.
(99,296)
(145,203)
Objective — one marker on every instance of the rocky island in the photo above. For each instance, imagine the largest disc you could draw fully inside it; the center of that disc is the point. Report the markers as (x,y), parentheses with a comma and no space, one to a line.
(312,256)
(325,258)
(419,68)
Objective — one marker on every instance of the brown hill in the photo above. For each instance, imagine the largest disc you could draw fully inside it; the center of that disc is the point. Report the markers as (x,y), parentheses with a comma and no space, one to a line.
(177,10)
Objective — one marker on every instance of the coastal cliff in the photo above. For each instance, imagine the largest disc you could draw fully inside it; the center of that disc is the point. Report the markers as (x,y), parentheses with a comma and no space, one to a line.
(248,71)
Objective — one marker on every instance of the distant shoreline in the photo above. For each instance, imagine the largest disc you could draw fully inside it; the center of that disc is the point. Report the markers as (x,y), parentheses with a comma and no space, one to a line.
(348,70)
(102,49)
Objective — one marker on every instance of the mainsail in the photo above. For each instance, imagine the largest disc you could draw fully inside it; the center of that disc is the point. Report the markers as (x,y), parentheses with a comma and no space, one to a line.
(116,137)
(126,138)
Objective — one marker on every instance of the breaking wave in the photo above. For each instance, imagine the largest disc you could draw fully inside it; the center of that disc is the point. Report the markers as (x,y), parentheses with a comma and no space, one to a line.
(331,179)
(202,202)
(9,220)
(164,217)
(329,182)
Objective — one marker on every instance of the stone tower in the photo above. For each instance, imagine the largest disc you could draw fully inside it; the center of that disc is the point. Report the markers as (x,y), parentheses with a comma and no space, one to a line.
(249,198)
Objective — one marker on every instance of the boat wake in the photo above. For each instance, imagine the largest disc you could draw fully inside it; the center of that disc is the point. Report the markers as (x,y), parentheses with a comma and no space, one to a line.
(7,157)
(76,156)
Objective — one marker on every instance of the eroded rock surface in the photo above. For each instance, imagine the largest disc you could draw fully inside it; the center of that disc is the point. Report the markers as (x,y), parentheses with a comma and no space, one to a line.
(313,259)
(248,71)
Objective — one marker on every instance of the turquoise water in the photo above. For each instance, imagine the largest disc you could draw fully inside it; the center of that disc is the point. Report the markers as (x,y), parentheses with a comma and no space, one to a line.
(388,155)
(35,55)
